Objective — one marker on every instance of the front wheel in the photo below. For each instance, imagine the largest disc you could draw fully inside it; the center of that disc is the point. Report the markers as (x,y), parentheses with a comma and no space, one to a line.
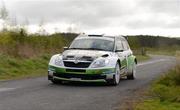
(54,81)
(116,78)
(131,76)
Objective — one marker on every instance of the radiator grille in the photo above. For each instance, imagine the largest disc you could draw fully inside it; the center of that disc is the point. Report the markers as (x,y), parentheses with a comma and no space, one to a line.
(78,65)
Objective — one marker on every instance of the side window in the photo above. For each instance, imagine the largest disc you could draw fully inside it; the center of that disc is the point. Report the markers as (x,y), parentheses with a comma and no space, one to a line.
(119,45)
(125,45)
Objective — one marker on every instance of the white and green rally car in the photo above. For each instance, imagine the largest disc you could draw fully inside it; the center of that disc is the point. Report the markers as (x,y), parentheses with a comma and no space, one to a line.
(94,58)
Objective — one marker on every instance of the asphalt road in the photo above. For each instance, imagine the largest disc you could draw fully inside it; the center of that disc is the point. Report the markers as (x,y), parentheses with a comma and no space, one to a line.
(39,94)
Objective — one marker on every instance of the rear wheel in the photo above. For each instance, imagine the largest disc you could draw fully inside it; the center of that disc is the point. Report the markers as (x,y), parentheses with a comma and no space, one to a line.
(116,78)
(131,76)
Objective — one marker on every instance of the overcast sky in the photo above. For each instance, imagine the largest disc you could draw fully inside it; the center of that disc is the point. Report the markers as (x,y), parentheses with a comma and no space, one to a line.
(152,17)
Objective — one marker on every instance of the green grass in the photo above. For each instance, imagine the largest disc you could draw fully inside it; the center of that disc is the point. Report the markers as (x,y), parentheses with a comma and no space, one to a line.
(141,58)
(164,93)
(156,104)
(164,51)
(14,68)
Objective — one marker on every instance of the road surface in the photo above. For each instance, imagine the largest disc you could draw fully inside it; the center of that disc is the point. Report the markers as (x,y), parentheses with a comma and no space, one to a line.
(39,94)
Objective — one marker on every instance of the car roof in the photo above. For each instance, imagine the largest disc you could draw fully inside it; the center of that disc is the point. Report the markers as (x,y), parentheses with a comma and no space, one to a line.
(100,36)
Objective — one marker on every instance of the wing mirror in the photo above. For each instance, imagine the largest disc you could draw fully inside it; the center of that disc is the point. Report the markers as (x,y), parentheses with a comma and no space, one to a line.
(65,48)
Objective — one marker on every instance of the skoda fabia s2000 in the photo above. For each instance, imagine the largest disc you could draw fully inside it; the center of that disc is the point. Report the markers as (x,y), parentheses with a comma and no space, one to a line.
(94,58)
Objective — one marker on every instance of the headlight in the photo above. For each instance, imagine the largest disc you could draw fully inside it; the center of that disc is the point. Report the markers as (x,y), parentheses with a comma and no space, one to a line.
(100,63)
(58,61)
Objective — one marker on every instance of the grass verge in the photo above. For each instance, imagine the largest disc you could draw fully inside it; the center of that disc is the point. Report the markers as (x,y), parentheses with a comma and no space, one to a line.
(161,51)
(164,93)
(141,58)
(15,68)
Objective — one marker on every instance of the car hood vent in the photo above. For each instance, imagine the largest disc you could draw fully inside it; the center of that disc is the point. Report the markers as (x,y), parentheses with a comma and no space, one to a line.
(87,58)
(105,55)
(70,56)
(81,58)
(84,53)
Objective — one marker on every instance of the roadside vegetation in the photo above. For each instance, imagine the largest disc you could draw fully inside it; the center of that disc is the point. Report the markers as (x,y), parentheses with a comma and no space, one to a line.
(158,45)
(23,55)
(164,93)
(21,45)
(14,68)
(141,58)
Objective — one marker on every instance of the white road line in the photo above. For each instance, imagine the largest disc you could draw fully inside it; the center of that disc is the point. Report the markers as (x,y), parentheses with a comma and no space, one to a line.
(146,63)
(6,89)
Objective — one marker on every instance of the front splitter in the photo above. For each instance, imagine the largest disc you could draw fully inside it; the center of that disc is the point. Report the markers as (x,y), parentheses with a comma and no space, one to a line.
(79,80)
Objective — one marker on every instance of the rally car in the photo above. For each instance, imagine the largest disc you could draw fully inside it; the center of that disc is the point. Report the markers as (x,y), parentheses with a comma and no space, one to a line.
(94,58)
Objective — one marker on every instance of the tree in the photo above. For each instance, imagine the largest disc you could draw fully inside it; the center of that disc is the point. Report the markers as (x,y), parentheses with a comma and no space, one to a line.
(4,15)
(42,31)
(25,24)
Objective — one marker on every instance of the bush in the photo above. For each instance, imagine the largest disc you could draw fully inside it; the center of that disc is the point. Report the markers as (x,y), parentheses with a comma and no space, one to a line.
(164,93)
(167,88)
(172,78)
(19,44)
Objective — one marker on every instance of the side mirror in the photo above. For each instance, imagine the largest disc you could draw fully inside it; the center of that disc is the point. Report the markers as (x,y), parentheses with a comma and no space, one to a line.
(65,48)
(126,37)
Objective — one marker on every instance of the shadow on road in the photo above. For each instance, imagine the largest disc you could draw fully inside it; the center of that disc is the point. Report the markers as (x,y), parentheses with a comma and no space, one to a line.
(86,84)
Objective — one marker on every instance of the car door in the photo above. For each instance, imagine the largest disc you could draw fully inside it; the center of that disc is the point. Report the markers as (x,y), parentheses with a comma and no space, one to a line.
(127,52)
(121,53)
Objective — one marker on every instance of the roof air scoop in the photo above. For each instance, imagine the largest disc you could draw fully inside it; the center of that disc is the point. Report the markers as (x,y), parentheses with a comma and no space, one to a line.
(94,35)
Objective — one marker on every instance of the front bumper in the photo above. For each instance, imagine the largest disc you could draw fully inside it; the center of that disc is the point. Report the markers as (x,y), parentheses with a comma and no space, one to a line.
(80,74)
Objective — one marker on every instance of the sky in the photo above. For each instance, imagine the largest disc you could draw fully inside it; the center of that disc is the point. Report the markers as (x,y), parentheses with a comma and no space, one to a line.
(112,17)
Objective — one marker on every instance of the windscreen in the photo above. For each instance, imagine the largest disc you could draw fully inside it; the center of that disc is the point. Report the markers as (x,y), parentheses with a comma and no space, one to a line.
(93,44)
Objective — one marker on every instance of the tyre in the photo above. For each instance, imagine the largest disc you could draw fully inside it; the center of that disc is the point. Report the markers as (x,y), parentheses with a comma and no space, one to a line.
(116,78)
(131,76)
(54,81)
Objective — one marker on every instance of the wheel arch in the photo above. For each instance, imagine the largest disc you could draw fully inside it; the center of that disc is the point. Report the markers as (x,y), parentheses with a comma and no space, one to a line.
(135,60)
(131,60)
(119,62)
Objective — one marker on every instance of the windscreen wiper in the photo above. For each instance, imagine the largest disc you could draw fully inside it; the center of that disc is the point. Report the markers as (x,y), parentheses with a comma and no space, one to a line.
(77,48)
(95,49)
(88,49)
